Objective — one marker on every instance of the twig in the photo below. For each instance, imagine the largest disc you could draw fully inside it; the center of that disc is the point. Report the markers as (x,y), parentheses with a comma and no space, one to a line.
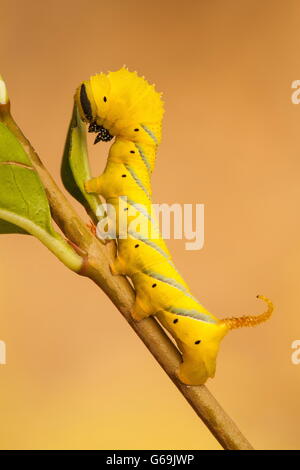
(96,267)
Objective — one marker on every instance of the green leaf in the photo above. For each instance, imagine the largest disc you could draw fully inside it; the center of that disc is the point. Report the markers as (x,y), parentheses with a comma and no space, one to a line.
(75,169)
(21,192)
(11,150)
(24,206)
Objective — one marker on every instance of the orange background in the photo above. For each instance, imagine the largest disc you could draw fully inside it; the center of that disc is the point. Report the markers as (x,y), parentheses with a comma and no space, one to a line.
(231,141)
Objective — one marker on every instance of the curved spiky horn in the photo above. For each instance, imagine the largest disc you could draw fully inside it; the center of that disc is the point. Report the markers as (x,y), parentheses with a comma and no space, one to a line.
(249,320)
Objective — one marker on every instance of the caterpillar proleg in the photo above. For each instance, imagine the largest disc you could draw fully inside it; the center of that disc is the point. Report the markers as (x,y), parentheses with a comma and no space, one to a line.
(125,107)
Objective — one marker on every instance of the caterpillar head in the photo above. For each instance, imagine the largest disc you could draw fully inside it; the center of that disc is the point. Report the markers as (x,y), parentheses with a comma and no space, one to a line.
(89,111)
(121,104)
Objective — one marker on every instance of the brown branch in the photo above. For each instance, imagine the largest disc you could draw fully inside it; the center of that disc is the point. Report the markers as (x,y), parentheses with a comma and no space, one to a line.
(118,289)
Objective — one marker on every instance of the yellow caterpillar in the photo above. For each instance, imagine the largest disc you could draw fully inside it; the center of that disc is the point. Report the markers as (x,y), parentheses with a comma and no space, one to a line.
(126,107)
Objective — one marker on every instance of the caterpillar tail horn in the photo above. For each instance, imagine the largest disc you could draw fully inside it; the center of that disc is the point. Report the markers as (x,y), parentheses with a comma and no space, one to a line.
(249,320)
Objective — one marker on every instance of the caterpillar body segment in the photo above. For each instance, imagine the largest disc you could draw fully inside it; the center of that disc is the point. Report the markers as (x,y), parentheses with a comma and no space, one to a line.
(168,296)
(124,106)
(131,258)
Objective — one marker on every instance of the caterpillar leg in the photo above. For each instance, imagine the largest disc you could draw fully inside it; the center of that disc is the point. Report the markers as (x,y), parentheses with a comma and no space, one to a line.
(140,310)
(117,267)
(93,185)
(191,372)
